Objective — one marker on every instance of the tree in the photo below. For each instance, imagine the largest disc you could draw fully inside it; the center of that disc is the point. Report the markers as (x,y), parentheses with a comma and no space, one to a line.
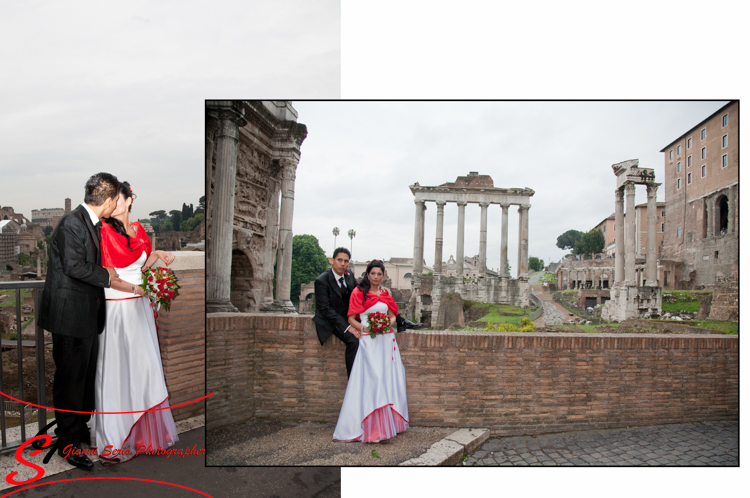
(308,261)
(24,259)
(47,230)
(185,226)
(176,218)
(196,220)
(187,211)
(351,234)
(590,243)
(166,226)
(202,203)
(336,233)
(536,264)
(157,219)
(507,267)
(568,239)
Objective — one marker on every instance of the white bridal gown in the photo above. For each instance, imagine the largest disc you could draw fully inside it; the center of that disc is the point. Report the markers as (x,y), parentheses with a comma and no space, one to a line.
(129,377)
(374,406)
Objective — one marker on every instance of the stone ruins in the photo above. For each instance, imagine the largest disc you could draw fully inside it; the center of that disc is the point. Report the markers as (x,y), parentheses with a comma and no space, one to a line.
(628,298)
(471,189)
(252,152)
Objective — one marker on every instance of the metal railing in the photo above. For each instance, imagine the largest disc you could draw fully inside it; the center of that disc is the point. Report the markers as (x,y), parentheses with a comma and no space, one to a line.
(37,286)
(533,316)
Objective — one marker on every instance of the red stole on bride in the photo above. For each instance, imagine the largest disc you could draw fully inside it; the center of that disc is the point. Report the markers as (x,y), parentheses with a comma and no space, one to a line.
(115,252)
(356,306)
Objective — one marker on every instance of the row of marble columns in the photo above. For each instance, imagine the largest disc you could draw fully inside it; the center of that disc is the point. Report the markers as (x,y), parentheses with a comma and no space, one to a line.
(523,238)
(625,235)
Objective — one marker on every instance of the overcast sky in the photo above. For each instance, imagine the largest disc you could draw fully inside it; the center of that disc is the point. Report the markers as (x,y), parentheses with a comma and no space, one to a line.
(359,159)
(91,86)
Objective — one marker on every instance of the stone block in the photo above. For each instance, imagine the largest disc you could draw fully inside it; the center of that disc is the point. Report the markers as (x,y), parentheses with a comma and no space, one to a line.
(450,312)
(445,452)
(471,439)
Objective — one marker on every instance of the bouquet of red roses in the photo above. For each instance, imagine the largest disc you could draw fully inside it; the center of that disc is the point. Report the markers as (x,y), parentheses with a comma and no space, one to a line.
(379,323)
(160,285)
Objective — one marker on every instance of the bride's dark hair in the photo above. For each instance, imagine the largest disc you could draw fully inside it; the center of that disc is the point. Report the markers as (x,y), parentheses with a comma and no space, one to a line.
(364,284)
(127,192)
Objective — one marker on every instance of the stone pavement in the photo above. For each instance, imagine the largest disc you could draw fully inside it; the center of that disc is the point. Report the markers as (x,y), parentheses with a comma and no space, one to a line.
(554,313)
(713,443)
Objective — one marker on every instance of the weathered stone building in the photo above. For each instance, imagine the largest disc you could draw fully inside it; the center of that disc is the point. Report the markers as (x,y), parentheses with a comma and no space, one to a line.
(701,239)
(471,189)
(252,152)
(9,249)
(49,216)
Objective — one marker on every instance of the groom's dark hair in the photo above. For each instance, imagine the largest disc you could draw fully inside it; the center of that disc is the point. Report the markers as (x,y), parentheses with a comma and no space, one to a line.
(99,188)
(342,249)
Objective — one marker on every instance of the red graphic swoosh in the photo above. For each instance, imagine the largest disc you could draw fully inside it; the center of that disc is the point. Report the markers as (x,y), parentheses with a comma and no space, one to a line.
(104,413)
(120,478)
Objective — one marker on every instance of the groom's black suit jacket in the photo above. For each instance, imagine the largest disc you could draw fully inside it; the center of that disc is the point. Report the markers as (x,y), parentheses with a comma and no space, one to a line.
(73,299)
(330,306)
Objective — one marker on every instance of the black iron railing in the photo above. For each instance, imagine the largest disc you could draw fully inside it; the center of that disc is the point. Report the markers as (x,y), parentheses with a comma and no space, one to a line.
(36,286)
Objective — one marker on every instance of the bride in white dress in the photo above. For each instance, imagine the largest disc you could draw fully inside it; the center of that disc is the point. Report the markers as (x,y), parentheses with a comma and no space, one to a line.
(129,374)
(374,406)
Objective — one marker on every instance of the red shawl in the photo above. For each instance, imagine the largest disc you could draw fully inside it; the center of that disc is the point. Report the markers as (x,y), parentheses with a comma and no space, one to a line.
(356,306)
(115,252)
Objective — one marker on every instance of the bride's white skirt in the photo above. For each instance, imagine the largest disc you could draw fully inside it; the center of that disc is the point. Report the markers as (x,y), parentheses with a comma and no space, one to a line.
(129,377)
(374,406)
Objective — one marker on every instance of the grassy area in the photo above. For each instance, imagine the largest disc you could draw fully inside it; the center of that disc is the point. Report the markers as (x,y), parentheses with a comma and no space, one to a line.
(726,327)
(11,299)
(504,313)
(685,301)
(549,278)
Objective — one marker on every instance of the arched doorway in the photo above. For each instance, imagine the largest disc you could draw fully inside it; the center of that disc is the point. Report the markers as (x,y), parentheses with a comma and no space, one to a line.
(241,294)
(722,212)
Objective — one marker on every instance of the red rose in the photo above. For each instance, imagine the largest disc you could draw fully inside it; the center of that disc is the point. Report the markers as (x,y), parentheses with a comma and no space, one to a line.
(150,279)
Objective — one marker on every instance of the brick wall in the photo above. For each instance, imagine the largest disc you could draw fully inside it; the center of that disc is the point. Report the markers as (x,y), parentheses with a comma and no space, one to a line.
(182,336)
(274,367)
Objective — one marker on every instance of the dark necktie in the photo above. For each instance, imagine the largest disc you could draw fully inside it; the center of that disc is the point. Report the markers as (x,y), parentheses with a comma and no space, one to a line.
(341,284)
(98,227)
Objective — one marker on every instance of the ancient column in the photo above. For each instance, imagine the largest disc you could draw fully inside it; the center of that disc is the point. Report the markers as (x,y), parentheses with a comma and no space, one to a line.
(418,238)
(504,242)
(619,236)
(218,273)
(651,235)
(523,240)
(284,251)
(710,203)
(439,239)
(483,239)
(460,239)
(630,234)
(730,211)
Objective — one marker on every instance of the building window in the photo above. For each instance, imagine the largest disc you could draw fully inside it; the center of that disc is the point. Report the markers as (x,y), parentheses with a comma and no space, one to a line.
(662,228)
(690,161)
(690,142)
(724,120)
(679,166)
(724,161)
(679,150)
(690,178)
(703,171)
(703,134)
(663,213)
(679,232)
(679,183)
(724,141)
(703,153)
(670,154)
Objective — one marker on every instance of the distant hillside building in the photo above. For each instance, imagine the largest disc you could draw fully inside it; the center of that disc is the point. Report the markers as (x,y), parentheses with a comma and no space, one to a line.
(44,217)
(701,235)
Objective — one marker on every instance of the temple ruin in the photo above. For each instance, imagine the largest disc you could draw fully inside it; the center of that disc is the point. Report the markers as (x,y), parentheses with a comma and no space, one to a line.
(472,189)
(628,297)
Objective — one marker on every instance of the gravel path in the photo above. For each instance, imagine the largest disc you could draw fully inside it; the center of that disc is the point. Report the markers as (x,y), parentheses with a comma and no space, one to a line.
(713,443)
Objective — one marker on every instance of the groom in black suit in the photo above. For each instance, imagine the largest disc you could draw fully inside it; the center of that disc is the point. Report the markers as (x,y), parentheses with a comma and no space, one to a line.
(332,290)
(73,310)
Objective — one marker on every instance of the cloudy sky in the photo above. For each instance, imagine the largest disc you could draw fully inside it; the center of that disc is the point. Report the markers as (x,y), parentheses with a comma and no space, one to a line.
(92,86)
(359,159)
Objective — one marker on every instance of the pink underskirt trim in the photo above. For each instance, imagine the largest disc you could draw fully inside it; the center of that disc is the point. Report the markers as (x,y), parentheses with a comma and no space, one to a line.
(382,423)
(149,430)
(125,298)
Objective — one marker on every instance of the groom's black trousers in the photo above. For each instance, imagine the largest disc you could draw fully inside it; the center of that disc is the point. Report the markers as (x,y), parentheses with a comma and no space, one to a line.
(352,344)
(73,388)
